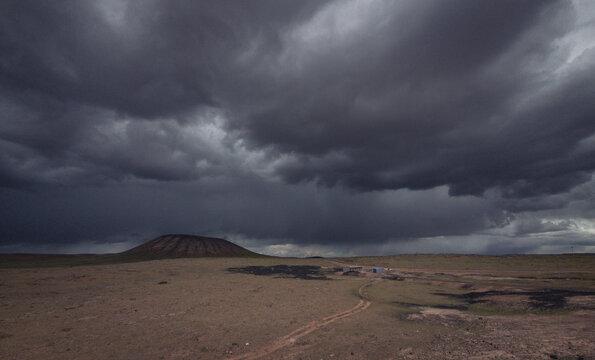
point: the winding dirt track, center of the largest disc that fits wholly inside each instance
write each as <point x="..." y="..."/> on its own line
<point x="293" y="336"/>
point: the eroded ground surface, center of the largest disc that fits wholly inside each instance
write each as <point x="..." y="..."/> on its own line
<point x="301" y="309"/>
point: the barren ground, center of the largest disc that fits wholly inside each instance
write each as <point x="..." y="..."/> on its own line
<point x="434" y="307"/>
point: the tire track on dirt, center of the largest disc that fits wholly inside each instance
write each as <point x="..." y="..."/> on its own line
<point x="293" y="336"/>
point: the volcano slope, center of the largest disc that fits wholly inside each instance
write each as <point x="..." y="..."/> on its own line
<point x="180" y="245"/>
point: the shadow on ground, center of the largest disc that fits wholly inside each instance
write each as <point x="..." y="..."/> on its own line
<point x="305" y="272"/>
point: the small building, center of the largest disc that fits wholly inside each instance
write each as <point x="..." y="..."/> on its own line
<point x="377" y="270"/>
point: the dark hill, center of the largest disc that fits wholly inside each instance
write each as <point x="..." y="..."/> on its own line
<point x="178" y="245"/>
<point x="163" y="247"/>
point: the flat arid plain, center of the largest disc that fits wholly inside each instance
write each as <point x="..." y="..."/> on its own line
<point x="419" y="307"/>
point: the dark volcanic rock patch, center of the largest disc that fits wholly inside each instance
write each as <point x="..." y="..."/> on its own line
<point x="305" y="272"/>
<point x="544" y="299"/>
<point x="177" y="245"/>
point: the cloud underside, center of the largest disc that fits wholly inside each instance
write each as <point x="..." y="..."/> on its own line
<point x="347" y="121"/>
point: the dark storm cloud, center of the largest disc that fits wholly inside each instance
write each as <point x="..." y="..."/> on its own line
<point x="384" y="95"/>
<point x="71" y="67"/>
<point x="112" y="102"/>
<point x="453" y="97"/>
<point x="140" y="57"/>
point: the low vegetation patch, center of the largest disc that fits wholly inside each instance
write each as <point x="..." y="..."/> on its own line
<point x="410" y="296"/>
<point x="569" y="262"/>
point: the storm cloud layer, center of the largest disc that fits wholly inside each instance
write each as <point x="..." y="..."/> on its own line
<point x="339" y="126"/>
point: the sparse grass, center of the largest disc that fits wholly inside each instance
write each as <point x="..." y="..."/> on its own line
<point x="204" y="308"/>
<point x="8" y="261"/>
<point x="562" y="284"/>
<point x="407" y="295"/>
<point x="202" y="300"/>
<point x="553" y="263"/>
<point x="490" y="309"/>
<point x="448" y="292"/>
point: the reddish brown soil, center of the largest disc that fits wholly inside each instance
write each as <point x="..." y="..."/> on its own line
<point x="199" y="308"/>
<point x="293" y="336"/>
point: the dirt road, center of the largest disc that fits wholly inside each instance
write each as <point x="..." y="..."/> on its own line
<point x="293" y="336"/>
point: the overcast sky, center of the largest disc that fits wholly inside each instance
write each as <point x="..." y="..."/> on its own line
<point x="299" y="127"/>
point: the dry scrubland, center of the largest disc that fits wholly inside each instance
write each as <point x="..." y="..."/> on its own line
<point x="435" y="306"/>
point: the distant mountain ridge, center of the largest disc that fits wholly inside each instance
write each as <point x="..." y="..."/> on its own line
<point x="182" y="245"/>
